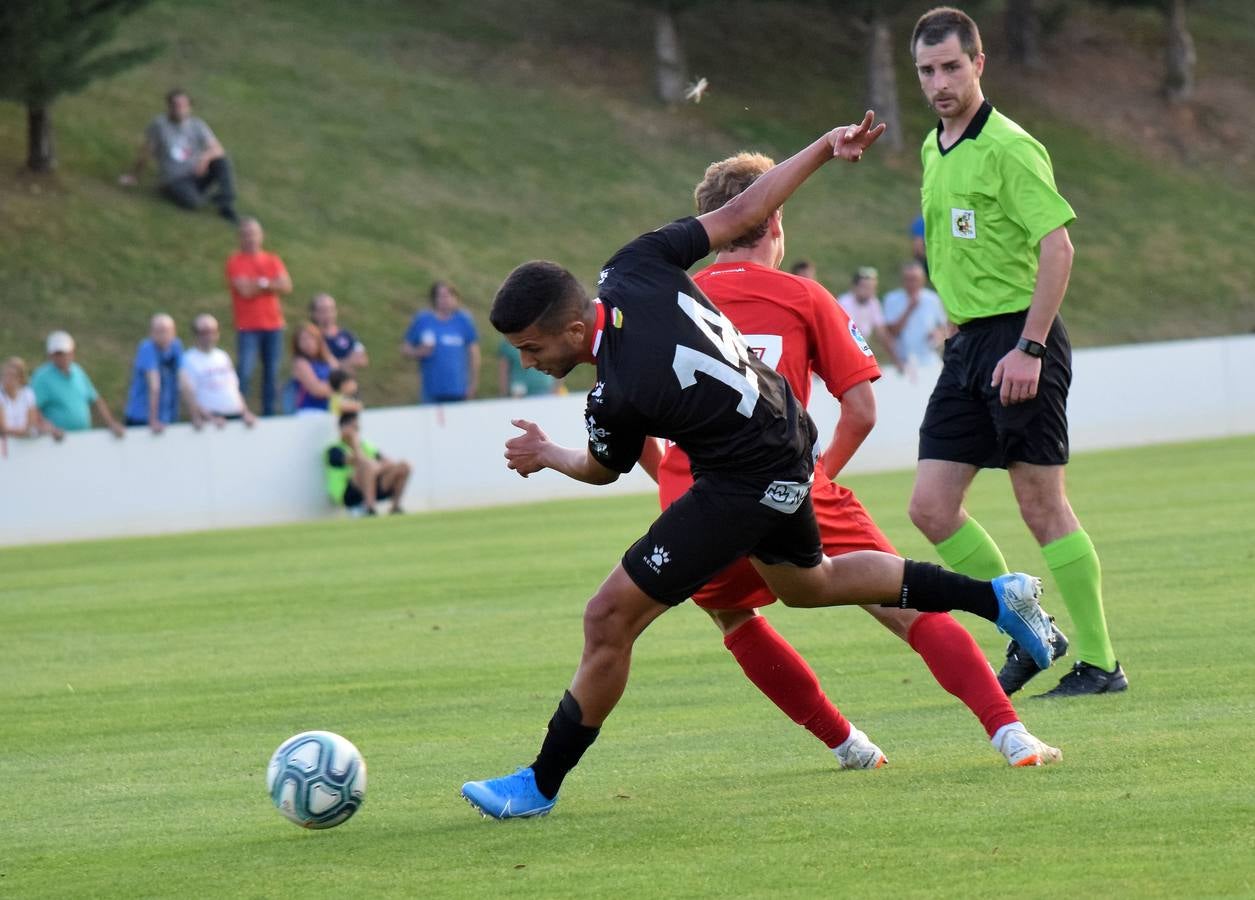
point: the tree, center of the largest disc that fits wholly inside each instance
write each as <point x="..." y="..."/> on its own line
<point x="882" y="80"/>
<point x="873" y="19"/>
<point x="670" y="69"/>
<point x="1023" y="31"/>
<point x="49" y="48"/>
<point x="1179" y="76"/>
<point x="1179" y="55"/>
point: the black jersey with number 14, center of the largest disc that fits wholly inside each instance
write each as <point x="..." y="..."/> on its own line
<point x="669" y="364"/>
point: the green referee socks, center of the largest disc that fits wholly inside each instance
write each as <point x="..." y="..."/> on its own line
<point x="971" y="551"/>
<point x="1074" y="564"/>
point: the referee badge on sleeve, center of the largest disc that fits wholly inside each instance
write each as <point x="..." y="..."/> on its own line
<point x="963" y="223"/>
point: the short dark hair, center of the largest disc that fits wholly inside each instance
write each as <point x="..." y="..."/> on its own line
<point x="347" y="418"/>
<point x="177" y="92"/>
<point x="337" y="378"/>
<point x="540" y="293"/>
<point x="801" y="264"/>
<point x="435" y="289"/>
<point x="939" y="23"/>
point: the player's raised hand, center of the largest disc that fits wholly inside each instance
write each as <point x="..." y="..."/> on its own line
<point x="849" y="141"/>
<point x="524" y="452"/>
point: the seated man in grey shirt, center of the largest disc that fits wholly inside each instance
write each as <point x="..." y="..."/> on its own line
<point x="189" y="159"/>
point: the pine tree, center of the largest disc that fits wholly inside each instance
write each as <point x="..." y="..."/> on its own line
<point x="52" y="47"/>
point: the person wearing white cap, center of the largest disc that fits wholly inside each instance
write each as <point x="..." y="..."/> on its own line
<point x="64" y="393"/>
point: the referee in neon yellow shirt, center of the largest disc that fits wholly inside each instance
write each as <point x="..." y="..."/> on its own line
<point x="996" y="231"/>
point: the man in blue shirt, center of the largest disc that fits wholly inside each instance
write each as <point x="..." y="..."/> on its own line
<point x="153" y="399"/>
<point x="444" y="341"/>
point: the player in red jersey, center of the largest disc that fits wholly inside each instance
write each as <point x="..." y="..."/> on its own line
<point x="795" y="326"/>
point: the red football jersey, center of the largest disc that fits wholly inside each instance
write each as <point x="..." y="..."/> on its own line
<point x="793" y="324"/>
<point x="796" y="327"/>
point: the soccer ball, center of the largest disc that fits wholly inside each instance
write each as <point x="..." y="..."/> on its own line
<point x="317" y="779"/>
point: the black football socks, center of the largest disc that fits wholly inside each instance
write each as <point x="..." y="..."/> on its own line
<point x="930" y="588"/>
<point x="563" y="746"/>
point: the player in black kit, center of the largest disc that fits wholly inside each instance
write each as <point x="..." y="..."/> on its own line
<point x="670" y="365"/>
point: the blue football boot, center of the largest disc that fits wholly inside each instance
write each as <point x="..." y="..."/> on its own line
<point x="1021" y="616"/>
<point x="508" y="797"/>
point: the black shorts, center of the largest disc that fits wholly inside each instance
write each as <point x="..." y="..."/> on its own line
<point x="967" y="423"/>
<point x="353" y="494"/>
<point x="716" y="522"/>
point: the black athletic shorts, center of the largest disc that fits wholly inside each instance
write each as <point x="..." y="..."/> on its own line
<point x="716" y="522"/>
<point x="966" y="422"/>
<point x="353" y="494"/>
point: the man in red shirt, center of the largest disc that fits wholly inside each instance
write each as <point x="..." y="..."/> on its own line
<point x="256" y="279"/>
<point x="794" y="325"/>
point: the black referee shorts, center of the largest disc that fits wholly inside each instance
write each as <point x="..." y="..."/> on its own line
<point x="716" y="522"/>
<point x="966" y="422"/>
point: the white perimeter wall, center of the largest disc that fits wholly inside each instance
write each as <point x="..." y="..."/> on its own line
<point x="93" y="485"/>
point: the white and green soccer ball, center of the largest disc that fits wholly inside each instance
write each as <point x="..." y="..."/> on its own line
<point x="317" y="779"/>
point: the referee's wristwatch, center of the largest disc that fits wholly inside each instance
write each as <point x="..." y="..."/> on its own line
<point x="1032" y="348"/>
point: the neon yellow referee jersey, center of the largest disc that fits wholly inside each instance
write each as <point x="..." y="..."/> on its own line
<point x="987" y="200"/>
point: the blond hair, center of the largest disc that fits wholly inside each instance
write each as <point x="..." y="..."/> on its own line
<point x="726" y="179"/>
<point x="18" y="365"/>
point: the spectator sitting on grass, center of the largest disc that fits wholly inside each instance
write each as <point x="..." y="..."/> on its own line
<point x="19" y="414"/>
<point x="211" y="387"/>
<point x="64" y="393"/>
<point x="349" y="352"/>
<point x="189" y="159"/>
<point x="358" y="475"/>
<point x="343" y="393"/>
<point x="153" y="399"/>
<point x="312" y="364"/>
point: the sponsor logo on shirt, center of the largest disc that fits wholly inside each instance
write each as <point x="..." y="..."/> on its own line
<point x="597" y="436"/>
<point x="859" y="339"/>
<point x="963" y="223"/>
<point x="595" y="393"/>
<point x="602" y="277"/>
<point x="656" y="560"/>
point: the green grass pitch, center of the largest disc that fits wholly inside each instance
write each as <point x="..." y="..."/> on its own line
<point x="144" y="684"/>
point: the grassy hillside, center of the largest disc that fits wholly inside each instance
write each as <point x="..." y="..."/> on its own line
<point x="387" y="143"/>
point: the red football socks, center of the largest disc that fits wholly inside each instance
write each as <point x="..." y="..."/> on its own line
<point x="779" y="671"/>
<point x="957" y="663"/>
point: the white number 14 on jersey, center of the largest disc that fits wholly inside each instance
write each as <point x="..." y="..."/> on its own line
<point x="732" y="371"/>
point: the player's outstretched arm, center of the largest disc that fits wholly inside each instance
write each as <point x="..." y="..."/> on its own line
<point x="769" y="192"/>
<point x="532" y="451"/>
